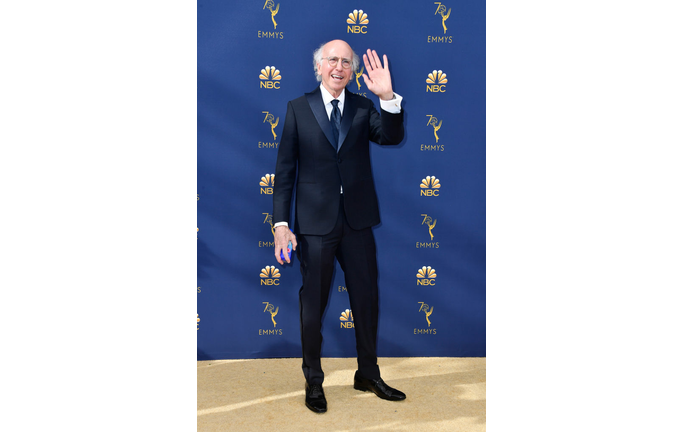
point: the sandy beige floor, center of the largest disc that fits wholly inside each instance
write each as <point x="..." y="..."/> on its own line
<point x="443" y="394"/>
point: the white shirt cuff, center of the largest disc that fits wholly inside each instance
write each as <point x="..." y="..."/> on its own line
<point x="392" y="106"/>
<point x="281" y="224"/>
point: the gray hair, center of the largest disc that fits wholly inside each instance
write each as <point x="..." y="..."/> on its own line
<point x="318" y="57"/>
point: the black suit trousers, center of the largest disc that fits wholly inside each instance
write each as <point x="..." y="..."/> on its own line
<point x="356" y="252"/>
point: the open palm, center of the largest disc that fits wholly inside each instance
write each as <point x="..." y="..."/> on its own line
<point x="377" y="77"/>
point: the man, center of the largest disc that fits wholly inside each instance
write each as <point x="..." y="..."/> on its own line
<point x="324" y="152"/>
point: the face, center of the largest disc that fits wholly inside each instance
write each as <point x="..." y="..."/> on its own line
<point x="335" y="78"/>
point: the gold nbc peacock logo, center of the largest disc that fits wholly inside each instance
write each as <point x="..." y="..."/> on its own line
<point x="430" y="182"/>
<point x="267" y="183"/>
<point x="437" y="81"/>
<point x="428" y="312"/>
<point x="270" y="4"/>
<point x="270" y="276"/>
<point x="357" y="17"/>
<point x="436" y="77"/>
<point x="270" y="272"/>
<point x="270" y="77"/>
<point x="429" y="186"/>
<point x="426" y="276"/>
<point x="267" y="180"/>
<point x="358" y="21"/>
<point x="346" y="319"/>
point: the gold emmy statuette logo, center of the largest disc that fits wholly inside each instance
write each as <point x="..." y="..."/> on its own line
<point x="267" y="182"/>
<point x="358" y="75"/>
<point x="425" y="308"/>
<point x="273" y="311"/>
<point x="268" y="243"/>
<point x="346" y="319"/>
<point x="358" y="20"/>
<point x="270" y="276"/>
<point x="436" y="81"/>
<point x="269" y="220"/>
<point x="272" y="121"/>
<point x="270" y="77"/>
<point x="428" y="220"/>
<point x="270" y="4"/>
<point x="430" y="224"/>
<point x="197" y="321"/>
<point x="426" y="276"/>
<point x="432" y="122"/>
<point x="429" y="186"/>
<point x="441" y="10"/>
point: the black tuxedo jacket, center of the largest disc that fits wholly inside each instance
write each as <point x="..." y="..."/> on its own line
<point x="307" y="150"/>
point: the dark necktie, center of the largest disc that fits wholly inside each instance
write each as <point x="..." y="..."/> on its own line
<point x="335" y="119"/>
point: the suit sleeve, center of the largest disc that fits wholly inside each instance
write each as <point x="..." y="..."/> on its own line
<point x="386" y="129"/>
<point x="285" y="168"/>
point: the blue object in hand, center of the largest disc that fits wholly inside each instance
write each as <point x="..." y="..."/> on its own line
<point x="289" y="252"/>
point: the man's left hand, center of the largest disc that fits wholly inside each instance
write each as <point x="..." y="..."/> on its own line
<point x="377" y="78"/>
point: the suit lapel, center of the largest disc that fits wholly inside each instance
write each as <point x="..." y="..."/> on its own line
<point x="347" y="117"/>
<point x="315" y="101"/>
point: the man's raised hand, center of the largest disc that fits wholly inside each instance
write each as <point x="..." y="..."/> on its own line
<point x="377" y="77"/>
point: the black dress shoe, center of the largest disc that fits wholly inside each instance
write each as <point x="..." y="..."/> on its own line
<point x="377" y="386"/>
<point x="315" y="398"/>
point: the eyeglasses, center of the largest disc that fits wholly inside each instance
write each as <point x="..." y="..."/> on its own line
<point x="332" y="61"/>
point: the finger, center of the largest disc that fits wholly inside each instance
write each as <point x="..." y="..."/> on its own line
<point x="375" y="58"/>
<point x="277" y="255"/>
<point x="386" y="62"/>
<point x="283" y="253"/>
<point x="371" y="59"/>
<point x="366" y="62"/>
<point x="286" y="252"/>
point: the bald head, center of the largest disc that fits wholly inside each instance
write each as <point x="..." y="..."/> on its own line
<point x="333" y="48"/>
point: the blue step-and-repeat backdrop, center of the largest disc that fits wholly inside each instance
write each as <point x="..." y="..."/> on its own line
<point x="253" y="57"/>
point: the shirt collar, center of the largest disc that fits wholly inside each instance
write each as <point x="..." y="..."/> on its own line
<point x="327" y="96"/>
